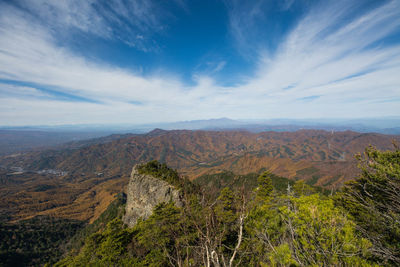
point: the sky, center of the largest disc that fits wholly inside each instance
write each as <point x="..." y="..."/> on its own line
<point x="135" y="62"/>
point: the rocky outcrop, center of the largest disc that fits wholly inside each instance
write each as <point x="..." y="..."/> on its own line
<point x="144" y="193"/>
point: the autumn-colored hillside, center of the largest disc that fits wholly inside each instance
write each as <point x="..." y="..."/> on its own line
<point x="79" y="182"/>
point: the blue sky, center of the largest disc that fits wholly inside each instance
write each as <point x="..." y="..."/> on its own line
<point x="133" y="62"/>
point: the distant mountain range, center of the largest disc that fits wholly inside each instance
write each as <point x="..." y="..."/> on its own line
<point x="18" y="139"/>
<point x="386" y="125"/>
<point x="79" y="179"/>
<point x="12" y="141"/>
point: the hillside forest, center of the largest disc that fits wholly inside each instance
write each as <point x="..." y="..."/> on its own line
<point x="273" y="224"/>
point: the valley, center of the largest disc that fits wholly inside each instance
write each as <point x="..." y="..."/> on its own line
<point x="79" y="180"/>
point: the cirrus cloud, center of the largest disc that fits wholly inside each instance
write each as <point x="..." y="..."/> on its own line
<point x="332" y="63"/>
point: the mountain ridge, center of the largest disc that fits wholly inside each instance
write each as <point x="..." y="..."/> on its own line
<point x="86" y="177"/>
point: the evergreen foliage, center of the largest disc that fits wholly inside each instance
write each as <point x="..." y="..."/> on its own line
<point x="171" y="176"/>
<point x="265" y="187"/>
<point x="213" y="183"/>
<point x="35" y="241"/>
<point x="160" y="170"/>
<point x="115" y="210"/>
<point x="105" y="248"/>
<point x="373" y="199"/>
<point x="299" y="227"/>
<point x="301" y="188"/>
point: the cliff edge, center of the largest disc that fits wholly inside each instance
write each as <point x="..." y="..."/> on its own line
<point x="144" y="192"/>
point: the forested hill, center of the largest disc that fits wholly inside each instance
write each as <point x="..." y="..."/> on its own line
<point x="86" y="176"/>
<point x="198" y="152"/>
<point x="266" y="227"/>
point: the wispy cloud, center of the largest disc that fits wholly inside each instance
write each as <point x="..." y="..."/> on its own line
<point x="219" y="66"/>
<point x="258" y="26"/>
<point x="8" y="90"/>
<point x="132" y="22"/>
<point x="243" y="19"/>
<point x="335" y="63"/>
<point x="309" y="98"/>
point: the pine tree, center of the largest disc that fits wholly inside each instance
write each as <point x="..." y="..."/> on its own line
<point x="265" y="187"/>
<point x="373" y="199"/>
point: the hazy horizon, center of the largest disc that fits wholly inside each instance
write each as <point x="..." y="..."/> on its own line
<point x="389" y="125"/>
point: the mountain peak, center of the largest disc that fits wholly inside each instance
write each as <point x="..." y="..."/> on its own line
<point x="156" y="132"/>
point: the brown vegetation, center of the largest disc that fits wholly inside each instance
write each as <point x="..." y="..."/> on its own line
<point x="96" y="172"/>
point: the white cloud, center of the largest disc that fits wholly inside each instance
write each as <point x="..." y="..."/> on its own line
<point x="133" y="22"/>
<point x="7" y="90"/>
<point x="352" y="76"/>
<point x="219" y="66"/>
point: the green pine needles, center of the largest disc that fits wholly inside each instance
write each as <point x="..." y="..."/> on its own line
<point x="300" y="227"/>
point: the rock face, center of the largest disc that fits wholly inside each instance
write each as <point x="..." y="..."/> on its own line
<point x="144" y="193"/>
